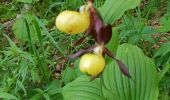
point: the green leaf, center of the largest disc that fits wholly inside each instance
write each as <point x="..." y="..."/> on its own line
<point x="19" y="28"/>
<point x="54" y="88"/>
<point x="76" y="69"/>
<point x="21" y="85"/>
<point x="43" y="60"/>
<point x="23" y="71"/>
<point x="146" y="34"/>
<point x="45" y="30"/>
<point x="5" y="95"/>
<point x="68" y="75"/>
<point x="1" y="26"/>
<point x="164" y="24"/>
<point x="163" y="72"/>
<point x="11" y="43"/>
<point x="148" y="30"/>
<point x="34" y="75"/>
<point x="148" y="38"/>
<point x="83" y="89"/>
<point x="36" y="97"/>
<point x="163" y="50"/>
<point x="114" y="9"/>
<point x="46" y="96"/>
<point x="144" y="82"/>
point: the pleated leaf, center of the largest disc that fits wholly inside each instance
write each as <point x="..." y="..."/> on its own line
<point x="83" y="88"/>
<point x="114" y="9"/>
<point x="144" y="82"/>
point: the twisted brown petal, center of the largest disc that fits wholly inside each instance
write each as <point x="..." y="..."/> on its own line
<point x="81" y="52"/>
<point x="122" y="66"/>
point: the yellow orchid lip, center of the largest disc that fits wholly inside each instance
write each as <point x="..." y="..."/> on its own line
<point x="92" y="64"/>
<point x="73" y="22"/>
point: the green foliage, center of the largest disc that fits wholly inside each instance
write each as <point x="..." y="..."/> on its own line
<point x="74" y="4"/>
<point x="162" y="55"/>
<point x="69" y="74"/>
<point x="144" y="83"/>
<point x="164" y="83"/>
<point x="19" y="28"/>
<point x="22" y="66"/>
<point x="165" y="20"/>
<point x="41" y="59"/>
<point x="116" y="9"/>
<point x="133" y="30"/>
<point x="165" y="24"/>
<point x="32" y="51"/>
<point x="52" y="91"/>
<point x="83" y="89"/>
<point x="7" y="12"/>
<point x="7" y="96"/>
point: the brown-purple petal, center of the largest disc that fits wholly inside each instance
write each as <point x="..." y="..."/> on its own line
<point x="81" y="52"/>
<point x="98" y="23"/>
<point x="105" y="34"/>
<point x="110" y="54"/>
<point x="122" y="66"/>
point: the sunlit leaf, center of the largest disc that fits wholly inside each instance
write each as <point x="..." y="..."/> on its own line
<point x="144" y="82"/>
<point x="19" y="28"/>
<point x="114" y="9"/>
<point x="83" y="89"/>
